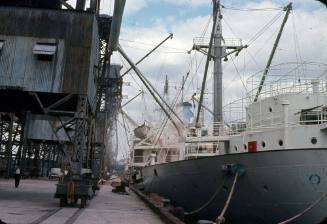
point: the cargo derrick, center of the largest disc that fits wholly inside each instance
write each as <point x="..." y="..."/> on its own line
<point x="51" y="61"/>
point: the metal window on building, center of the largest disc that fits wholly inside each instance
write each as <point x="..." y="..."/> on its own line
<point x="44" y="51"/>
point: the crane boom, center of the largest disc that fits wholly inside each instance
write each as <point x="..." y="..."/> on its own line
<point x="288" y="9"/>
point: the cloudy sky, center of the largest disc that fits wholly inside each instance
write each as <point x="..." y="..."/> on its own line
<point x="147" y="22"/>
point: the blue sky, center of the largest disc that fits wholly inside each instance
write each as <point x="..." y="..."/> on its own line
<point x="155" y="9"/>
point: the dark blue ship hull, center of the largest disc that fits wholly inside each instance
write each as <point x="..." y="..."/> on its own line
<point x="275" y="185"/>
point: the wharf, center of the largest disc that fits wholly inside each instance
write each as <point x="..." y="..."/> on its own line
<point x="33" y="203"/>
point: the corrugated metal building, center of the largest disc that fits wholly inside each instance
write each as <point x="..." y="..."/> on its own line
<point x="46" y="51"/>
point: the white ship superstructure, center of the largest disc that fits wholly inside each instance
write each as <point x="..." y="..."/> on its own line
<point x="292" y="117"/>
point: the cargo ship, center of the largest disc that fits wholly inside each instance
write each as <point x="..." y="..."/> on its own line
<point x="266" y="165"/>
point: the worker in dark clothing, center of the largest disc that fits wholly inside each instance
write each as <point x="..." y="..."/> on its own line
<point x="17" y="177"/>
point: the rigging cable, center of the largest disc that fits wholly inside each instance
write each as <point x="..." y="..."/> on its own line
<point x="296" y="41"/>
<point x="263" y="47"/>
<point x="238" y="73"/>
<point x="205" y="29"/>
<point x="162" y="127"/>
<point x="157" y="97"/>
<point x="153" y="45"/>
<point x="122" y="125"/>
<point x="157" y="76"/>
<point x="264" y="28"/>
<point x="229" y="26"/>
<point x="256" y="53"/>
<point x="197" y="67"/>
<point x="158" y="51"/>
<point x="125" y="128"/>
<point x="151" y="89"/>
<point x="251" y="9"/>
<point x="129" y="73"/>
<point x="253" y="58"/>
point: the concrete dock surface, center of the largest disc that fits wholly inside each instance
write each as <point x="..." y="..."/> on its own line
<point x="33" y="203"/>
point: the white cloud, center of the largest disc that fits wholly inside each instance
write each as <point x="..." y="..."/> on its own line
<point x="107" y="6"/>
<point x="135" y="6"/>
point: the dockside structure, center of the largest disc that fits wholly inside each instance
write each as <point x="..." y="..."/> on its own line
<point x="53" y="69"/>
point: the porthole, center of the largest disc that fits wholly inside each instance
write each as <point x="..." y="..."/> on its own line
<point x="263" y="143"/>
<point x="280" y="142"/>
<point x="314" y="140"/>
<point x="235" y="147"/>
<point x="245" y="147"/>
<point x="270" y="109"/>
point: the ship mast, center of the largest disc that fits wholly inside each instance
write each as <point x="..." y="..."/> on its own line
<point x="216" y="51"/>
<point x="202" y="48"/>
<point x="218" y="72"/>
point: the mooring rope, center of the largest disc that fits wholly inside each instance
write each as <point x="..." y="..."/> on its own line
<point x="305" y="210"/>
<point x="208" y="202"/>
<point x="221" y="218"/>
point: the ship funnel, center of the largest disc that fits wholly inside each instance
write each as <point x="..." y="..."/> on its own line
<point x="315" y="85"/>
<point x="116" y="24"/>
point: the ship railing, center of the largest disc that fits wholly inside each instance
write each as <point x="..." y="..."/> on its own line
<point x="196" y="150"/>
<point x="201" y="41"/>
<point x="235" y="111"/>
<point x="141" y="160"/>
<point x="285" y="78"/>
<point x="228" y="42"/>
<point x="217" y="128"/>
<point x="291" y="77"/>
<point x="229" y="128"/>
<point x="138" y="159"/>
<point x="262" y="121"/>
<point x="299" y="116"/>
<point x="233" y="42"/>
<point x="306" y="86"/>
<point x="138" y="164"/>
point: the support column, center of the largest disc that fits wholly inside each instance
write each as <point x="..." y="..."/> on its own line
<point x="24" y="141"/>
<point x="80" y="135"/>
<point x="42" y="161"/>
<point x="36" y="164"/>
<point x="49" y="158"/>
<point x="9" y="145"/>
